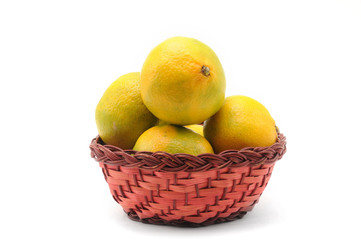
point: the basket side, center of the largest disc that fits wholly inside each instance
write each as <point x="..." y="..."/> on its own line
<point x="187" y="198"/>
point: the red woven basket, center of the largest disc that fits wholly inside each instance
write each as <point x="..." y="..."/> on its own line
<point x="186" y="190"/>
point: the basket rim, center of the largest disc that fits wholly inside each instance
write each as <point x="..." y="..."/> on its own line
<point x="163" y="161"/>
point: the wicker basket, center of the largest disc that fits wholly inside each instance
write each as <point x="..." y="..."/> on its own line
<point x="186" y="190"/>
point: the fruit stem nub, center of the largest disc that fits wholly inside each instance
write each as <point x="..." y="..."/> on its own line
<point x="206" y="71"/>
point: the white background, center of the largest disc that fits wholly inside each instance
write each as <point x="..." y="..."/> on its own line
<point x="301" y="59"/>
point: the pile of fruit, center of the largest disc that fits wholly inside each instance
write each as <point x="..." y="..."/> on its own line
<point x="181" y="85"/>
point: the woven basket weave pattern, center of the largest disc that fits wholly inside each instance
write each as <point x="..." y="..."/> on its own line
<point x="181" y="189"/>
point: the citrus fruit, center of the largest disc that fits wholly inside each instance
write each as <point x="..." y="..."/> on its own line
<point x="172" y="139"/>
<point x="196" y="128"/>
<point x="241" y="122"/>
<point x="121" y="117"/>
<point x="182" y="81"/>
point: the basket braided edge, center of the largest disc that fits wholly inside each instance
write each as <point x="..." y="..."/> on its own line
<point x="163" y="161"/>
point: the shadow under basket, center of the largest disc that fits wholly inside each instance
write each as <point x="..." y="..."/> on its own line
<point x="186" y="190"/>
